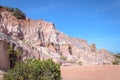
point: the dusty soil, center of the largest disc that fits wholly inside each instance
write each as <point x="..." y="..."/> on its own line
<point x="101" y="72"/>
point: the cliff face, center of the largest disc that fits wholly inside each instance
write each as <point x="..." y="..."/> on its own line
<point x="41" y="40"/>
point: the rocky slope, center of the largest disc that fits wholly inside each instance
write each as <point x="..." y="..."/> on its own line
<point x="41" y="40"/>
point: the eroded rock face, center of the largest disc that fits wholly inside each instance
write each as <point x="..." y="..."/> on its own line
<point x="41" y="40"/>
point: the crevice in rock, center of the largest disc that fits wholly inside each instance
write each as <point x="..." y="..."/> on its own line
<point x="20" y="33"/>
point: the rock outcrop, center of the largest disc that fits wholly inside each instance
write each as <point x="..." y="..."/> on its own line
<point x="41" y="40"/>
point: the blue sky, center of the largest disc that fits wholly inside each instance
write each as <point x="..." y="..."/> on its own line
<point x="97" y="21"/>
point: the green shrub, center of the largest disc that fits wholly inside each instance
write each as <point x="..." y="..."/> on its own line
<point x="79" y="62"/>
<point x="16" y="12"/>
<point x="116" y="62"/>
<point x="34" y="70"/>
<point x="117" y="59"/>
<point x="117" y="55"/>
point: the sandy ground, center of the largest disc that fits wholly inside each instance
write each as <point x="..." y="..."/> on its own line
<point x="101" y="72"/>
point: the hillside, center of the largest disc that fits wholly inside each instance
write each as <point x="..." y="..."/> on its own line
<point x="41" y="40"/>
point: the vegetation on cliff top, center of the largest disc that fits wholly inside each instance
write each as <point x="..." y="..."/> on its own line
<point x="15" y="12"/>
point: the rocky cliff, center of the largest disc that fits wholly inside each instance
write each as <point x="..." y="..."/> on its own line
<point x="41" y="40"/>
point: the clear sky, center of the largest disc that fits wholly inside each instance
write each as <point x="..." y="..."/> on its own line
<point x="97" y="21"/>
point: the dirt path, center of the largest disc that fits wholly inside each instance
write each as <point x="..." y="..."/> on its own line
<point x="111" y="72"/>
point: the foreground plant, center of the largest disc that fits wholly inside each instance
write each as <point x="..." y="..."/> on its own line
<point x="34" y="70"/>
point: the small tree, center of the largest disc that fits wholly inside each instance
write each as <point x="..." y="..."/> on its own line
<point x="14" y="55"/>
